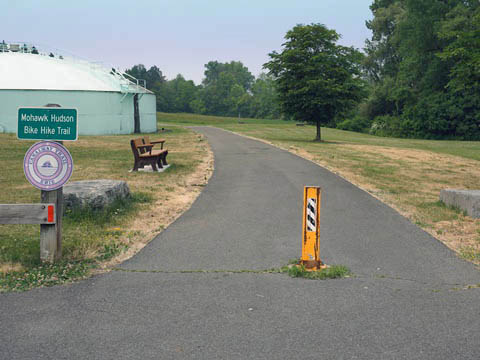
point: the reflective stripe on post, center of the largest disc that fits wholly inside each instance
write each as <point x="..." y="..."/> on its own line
<point x="51" y="214"/>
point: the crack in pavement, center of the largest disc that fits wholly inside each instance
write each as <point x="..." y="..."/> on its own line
<point x="200" y="271"/>
<point x="455" y="287"/>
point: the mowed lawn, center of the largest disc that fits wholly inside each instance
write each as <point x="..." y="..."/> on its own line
<point x="407" y="174"/>
<point x="91" y="239"/>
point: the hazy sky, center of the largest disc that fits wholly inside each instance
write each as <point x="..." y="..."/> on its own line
<point x="178" y="36"/>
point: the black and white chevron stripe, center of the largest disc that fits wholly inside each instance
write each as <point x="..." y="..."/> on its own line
<point x="311" y="214"/>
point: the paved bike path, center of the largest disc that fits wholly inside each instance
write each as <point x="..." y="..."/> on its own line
<point x="407" y="299"/>
<point x="249" y="217"/>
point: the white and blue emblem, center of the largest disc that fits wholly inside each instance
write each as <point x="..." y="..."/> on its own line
<point x="48" y="165"/>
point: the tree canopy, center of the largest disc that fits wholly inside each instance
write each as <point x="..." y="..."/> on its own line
<point x="152" y="76"/>
<point x="317" y="79"/>
<point x="419" y="76"/>
<point x="228" y="89"/>
<point x="423" y="66"/>
<point x="240" y="73"/>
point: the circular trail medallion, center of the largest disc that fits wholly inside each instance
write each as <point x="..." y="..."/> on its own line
<point x="48" y="165"/>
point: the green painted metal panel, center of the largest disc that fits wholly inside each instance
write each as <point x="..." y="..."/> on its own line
<point x="47" y="124"/>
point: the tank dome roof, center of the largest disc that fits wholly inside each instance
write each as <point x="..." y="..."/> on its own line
<point x="25" y="71"/>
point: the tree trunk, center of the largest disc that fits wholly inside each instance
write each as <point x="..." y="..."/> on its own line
<point x="319" y="132"/>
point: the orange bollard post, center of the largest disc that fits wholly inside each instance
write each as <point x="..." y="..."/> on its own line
<point x="312" y="197"/>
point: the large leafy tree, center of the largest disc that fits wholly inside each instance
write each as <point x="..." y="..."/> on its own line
<point x="422" y="62"/>
<point x="226" y="89"/>
<point x="240" y="73"/>
<point x="138" y="71"/>
<point x="152" y="76"/>
<point x="265" y="102"/>
<point x="382" y="55"/>
<point x="316" y="78"/>
<point x="462" y="31"/>
<point x="176" y="95"/>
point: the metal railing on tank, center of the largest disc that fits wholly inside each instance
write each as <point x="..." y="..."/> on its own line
<point x="128" y="83"/>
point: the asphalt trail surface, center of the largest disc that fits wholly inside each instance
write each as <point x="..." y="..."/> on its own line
<point x="409" y="298"/>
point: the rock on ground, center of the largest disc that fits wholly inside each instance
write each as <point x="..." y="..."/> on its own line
<point x="95" y="194"/>
<point x="467" y="200"/>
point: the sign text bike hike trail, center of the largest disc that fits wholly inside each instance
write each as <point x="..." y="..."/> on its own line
<point x="47" y="123"/>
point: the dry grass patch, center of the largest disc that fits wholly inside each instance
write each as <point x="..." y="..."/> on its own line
<point x="407" y="179"/>
<point x="110" y="237"/>
<point x="9" y="268"/>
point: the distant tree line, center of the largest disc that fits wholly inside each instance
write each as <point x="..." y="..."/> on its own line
<point x="419" y="76"/>
<point x="228" y="89"/>
<point x="423" y="69"/>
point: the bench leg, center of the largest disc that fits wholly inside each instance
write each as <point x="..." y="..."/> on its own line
<point x="135" y="166"/>
<point x="164" y="158"/>
<point x="159" y="162"/>
<point x="154" y="166"/>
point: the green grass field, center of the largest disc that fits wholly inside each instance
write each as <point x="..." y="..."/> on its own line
<point x="91" y="238"/>
<point x="407" y="174"/>
<point x="287" y="131"/>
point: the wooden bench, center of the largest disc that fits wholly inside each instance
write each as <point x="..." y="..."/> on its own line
<point x="144" y="154"/>
<point x="162" y="152"/>
<point x="146" y="141"/>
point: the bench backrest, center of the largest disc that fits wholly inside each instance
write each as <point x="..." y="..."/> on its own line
<point x="134" y="143"/>
<point x="146" y="140"/>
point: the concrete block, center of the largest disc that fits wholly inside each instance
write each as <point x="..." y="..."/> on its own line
<point x="467" y="200"/>
<point x="95" y="194"/>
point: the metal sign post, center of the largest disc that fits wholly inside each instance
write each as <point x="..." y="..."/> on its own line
<point x="312" y="197"/>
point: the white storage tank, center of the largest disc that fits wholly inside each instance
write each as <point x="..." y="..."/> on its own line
<point x="108" y="102"/>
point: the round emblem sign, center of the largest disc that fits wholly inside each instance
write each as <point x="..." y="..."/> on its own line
<point x="48" y="165"/>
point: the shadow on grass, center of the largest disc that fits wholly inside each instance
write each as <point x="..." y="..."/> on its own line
<point x="108" y="214"/>
<point x="306" y="141"/>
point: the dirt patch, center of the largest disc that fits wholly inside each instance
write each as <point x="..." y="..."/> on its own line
<point x="10" y="267"/>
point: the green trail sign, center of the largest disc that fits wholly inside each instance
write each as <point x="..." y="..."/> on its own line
<point x="47" y="123"/>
